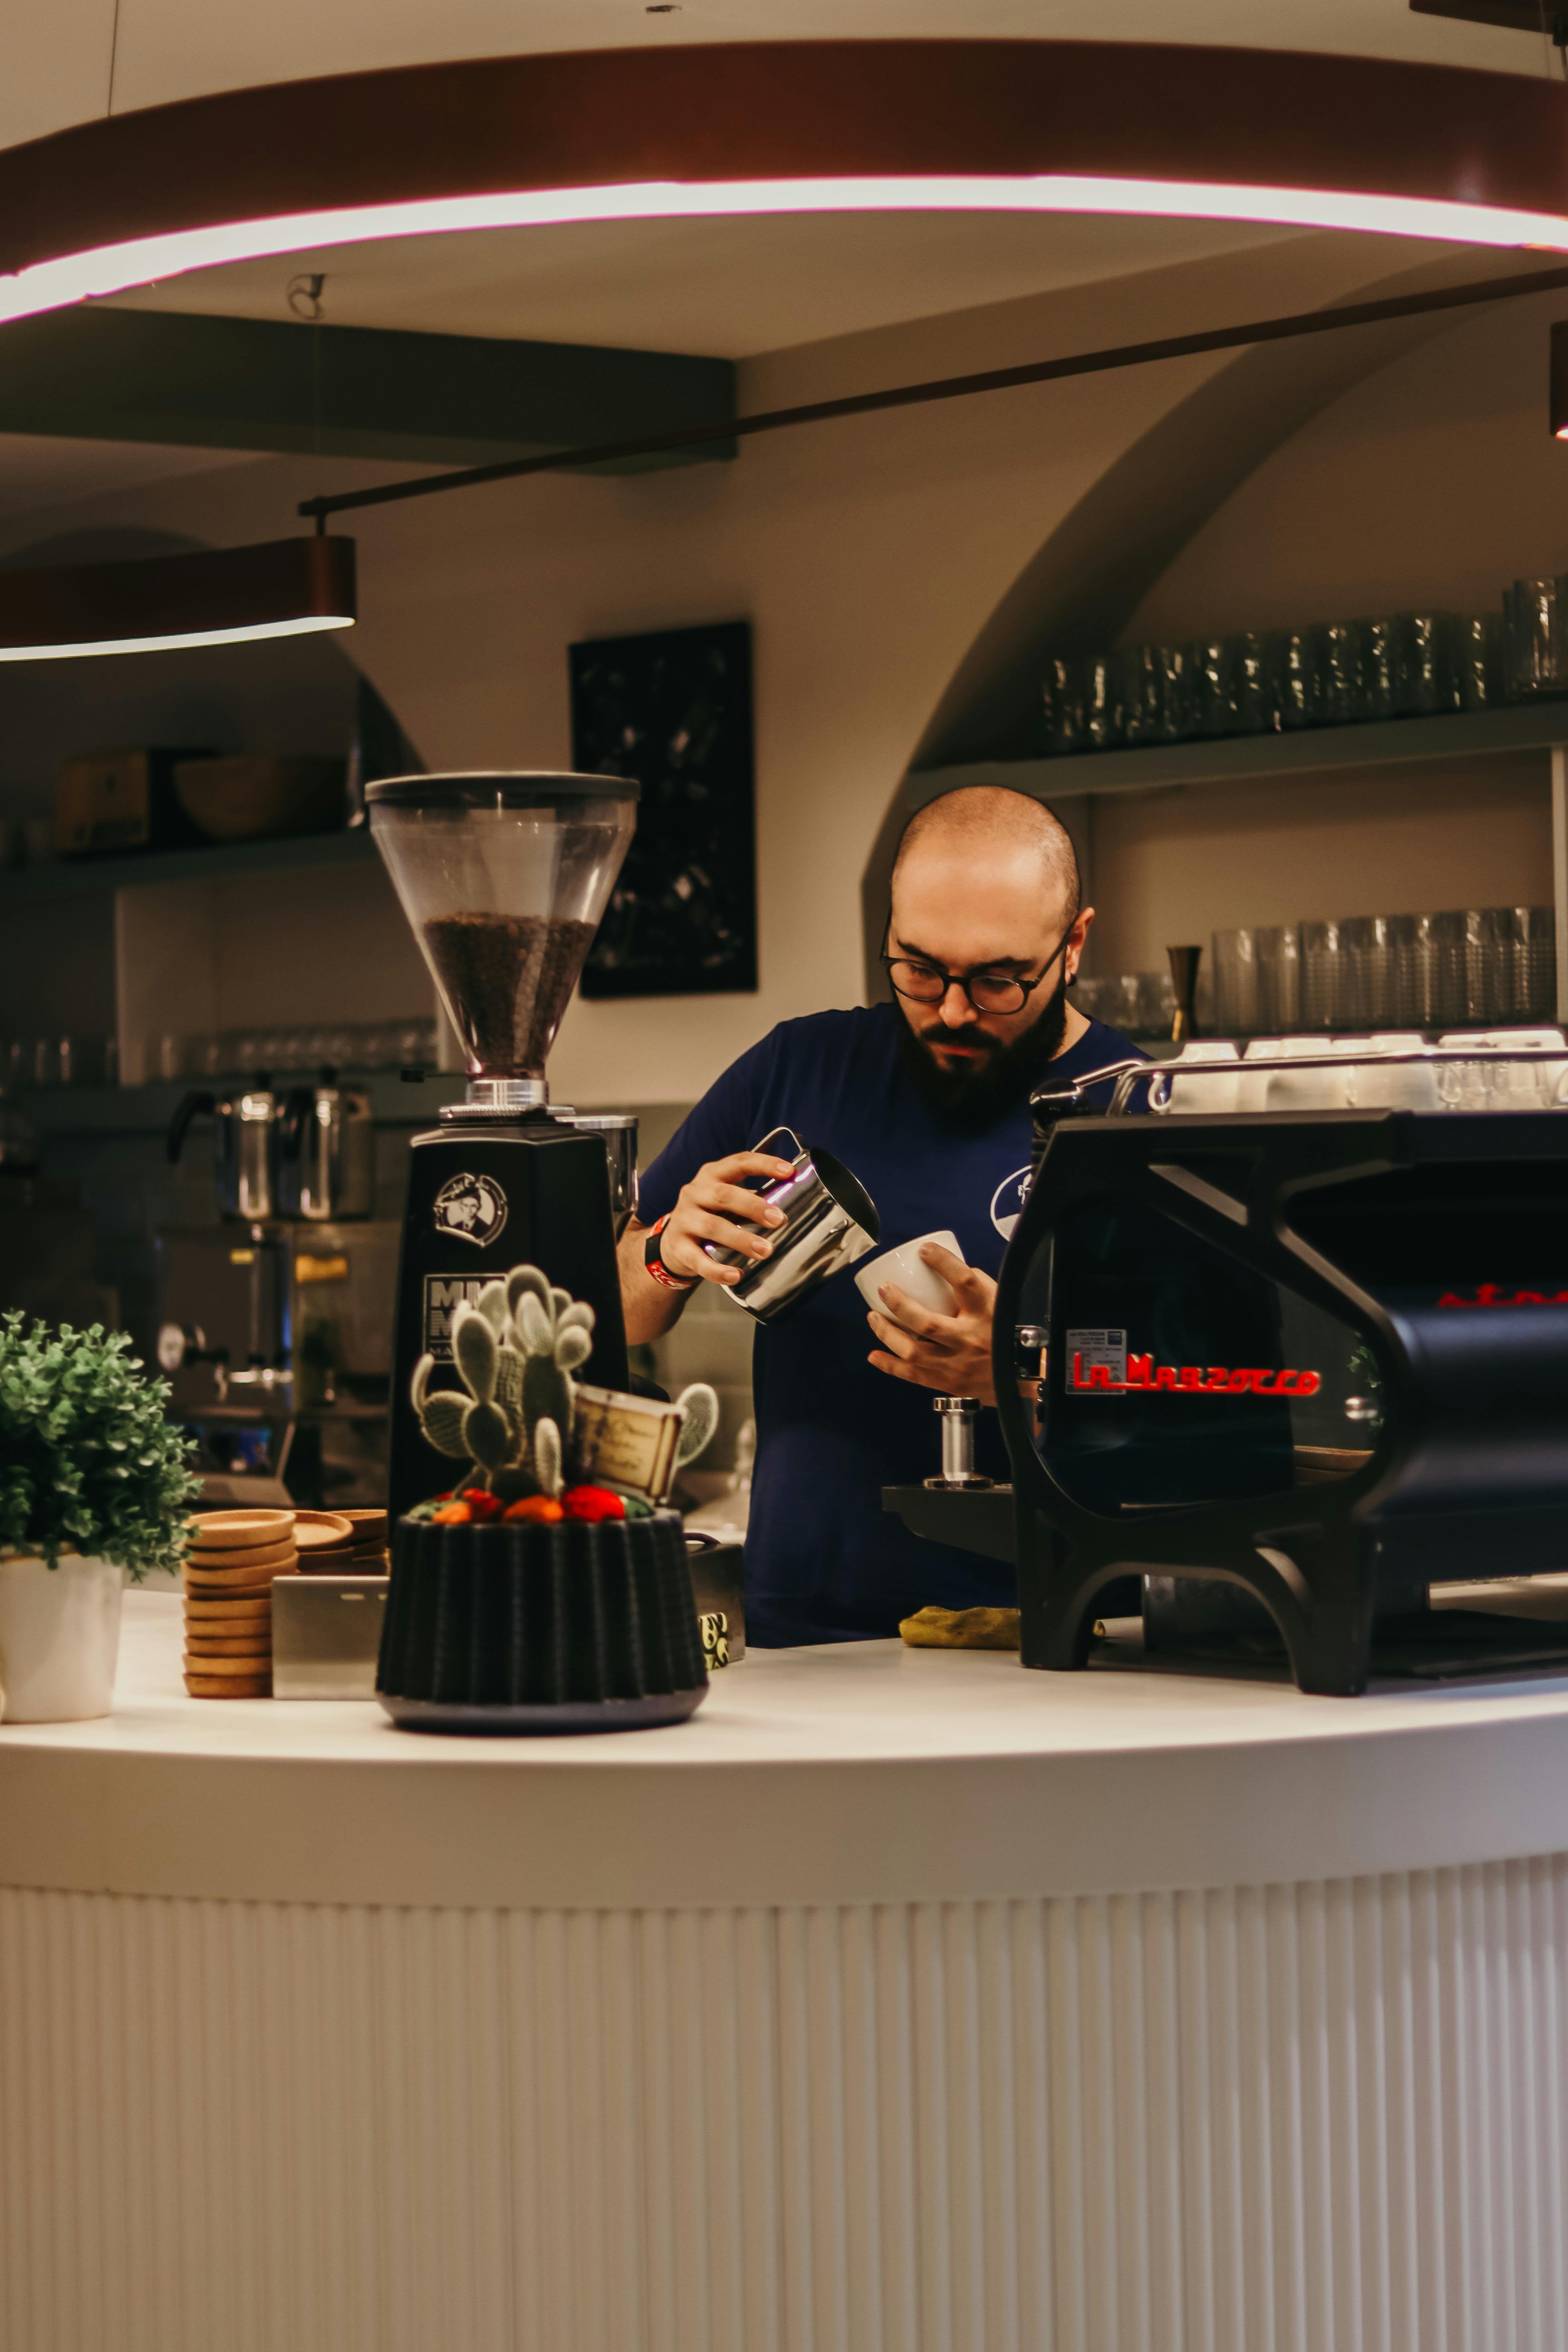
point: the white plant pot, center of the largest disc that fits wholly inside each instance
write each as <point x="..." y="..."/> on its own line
<point x="59" y="1639"/>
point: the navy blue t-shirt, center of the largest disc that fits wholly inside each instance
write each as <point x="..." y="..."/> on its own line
<point x="824" y="1561"/>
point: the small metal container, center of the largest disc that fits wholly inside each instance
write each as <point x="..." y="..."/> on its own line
<point x="830" y="1220"/>
<point x="718" y="1587"/>
<point x="244" y="1157"/>
<point x="327" y="1152"/>
<point x="326" y="1635"/>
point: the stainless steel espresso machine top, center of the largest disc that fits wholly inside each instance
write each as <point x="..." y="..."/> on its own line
<point x="503" y="879"/>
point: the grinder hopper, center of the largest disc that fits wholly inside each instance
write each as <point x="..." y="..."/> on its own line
<point x="503" y="879"/>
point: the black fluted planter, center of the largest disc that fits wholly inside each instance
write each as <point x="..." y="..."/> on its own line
<point x="582" y="1626"/>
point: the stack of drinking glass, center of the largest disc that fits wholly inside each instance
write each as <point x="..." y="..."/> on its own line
<point x="1332" y="674"/>
<point x="1479" y="967"/>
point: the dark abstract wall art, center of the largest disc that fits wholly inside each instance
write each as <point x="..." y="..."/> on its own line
<point x="673" y="709"/>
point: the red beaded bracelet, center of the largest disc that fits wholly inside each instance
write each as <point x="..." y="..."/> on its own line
<point x="653" y="1258"/>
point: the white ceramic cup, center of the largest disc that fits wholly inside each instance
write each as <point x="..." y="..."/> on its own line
<point x="905" y="1266"/>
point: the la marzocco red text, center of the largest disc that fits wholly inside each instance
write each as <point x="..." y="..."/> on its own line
<point x="1186" y="1380"/>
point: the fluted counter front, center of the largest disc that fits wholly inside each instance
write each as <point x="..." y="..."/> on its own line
<point x="901" y="1999"/>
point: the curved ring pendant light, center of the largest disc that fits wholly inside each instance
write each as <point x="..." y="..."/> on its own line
<point x="1162" y="129"/>
<point x="1293" y="138"/>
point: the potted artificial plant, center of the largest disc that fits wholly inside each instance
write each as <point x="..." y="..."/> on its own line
<point x="532" y="1597"/>
<point x="93" y="1481"/>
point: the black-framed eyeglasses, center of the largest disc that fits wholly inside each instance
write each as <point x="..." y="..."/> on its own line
<point x="988" y="992"/>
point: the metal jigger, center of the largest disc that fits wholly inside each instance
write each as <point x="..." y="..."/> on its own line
<point x="1184" y="962"/>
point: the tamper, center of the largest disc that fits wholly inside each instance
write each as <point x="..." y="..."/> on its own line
<point x="958" y="1442"/>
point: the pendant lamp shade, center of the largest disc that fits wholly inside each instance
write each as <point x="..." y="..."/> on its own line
<point x="1163" y="129"/>
<point x="1560" y="379"/>
<point x="284" y="588"/>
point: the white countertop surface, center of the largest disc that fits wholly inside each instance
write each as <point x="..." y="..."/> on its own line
<point x="861" y="1772"/>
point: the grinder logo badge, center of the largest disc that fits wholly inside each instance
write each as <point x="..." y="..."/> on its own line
<point x="471" y="1208"/>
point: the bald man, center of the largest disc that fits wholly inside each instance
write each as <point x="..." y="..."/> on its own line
<point x="926" y="1100"/>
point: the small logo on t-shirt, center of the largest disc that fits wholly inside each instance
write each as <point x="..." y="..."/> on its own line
<point x="1007" y="1200"/>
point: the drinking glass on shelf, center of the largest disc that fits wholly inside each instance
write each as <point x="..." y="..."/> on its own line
<point x="83" y="1060"/>
<point x="1066" y="719"/>
<point x="1178" y="693"/>
<point x="1276" y="956"/>
<point x="1462" y="977"/>
<point x="1367" y="994"/>
<point x="1423" y="665"/>
<point x="1088" y="997"/>
<point x="1234" y="984"/>
<point x="1379" y="665"/>
<point x="1475" y="650"/>
<point x="1154" y="1004"/>
<point x="1535" y="652"/>
<point x="1103" y="702"/>
<point x="417" y="1044"/>
<point x="1292" y="689"/>
<point x="1341" y="671"/>
<point x="1251" y="711"/>
<point x="1521" y="963"/>
<point x="1215" y="698"/>
<point x="1141" y="695"/>
<point x="1322" y="967"/>
<point x="1118" y="1002"/>
<point x="1417" y="996"/>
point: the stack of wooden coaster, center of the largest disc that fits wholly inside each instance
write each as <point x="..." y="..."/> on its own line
<point x="325" y="1540"/>
<point x="229" y="1570"/>
<point x="370" y="1556"/>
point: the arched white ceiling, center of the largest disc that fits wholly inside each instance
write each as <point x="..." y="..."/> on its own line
<point x="69" y="60"/>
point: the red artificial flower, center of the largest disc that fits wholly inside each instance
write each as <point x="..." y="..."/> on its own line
<point x="482" y="1505"/>
<point x="591" y="1503"/>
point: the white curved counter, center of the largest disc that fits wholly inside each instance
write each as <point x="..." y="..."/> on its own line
<point x="900" y="1998"/>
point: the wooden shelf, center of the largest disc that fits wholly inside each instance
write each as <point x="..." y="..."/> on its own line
<point x="89" y="877"/>
<point x="1243" y="759"/>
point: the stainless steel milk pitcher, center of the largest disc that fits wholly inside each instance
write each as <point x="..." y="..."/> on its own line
<point x="830" y="1220"/>
<point x="245" y="1156"/>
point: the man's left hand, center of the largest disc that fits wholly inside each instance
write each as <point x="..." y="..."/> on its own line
<point x="949" y="1353"/>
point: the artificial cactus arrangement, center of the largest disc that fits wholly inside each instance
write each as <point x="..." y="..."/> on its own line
<point x="516" y="1351"/>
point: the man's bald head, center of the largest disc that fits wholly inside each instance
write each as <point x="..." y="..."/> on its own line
<point x="985" y="825"/>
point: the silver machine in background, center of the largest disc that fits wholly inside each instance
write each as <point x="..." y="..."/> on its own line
<point x="274" y="1325"/>
<point x="277" y="1341"/>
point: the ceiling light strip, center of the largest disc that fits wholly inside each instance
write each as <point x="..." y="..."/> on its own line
<point x="910" y="395"/>
<point x="142" y="261"/>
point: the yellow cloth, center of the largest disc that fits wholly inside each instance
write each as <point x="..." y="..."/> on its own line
<point x="962" y="1629"/>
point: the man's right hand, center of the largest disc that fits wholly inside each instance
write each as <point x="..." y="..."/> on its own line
<point x="707" y="1210"/>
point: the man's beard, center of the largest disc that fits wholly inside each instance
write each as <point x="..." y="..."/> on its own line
<point x="976" y="1094"/>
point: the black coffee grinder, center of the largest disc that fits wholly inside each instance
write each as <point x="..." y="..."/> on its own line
<point x="504" y="878"/>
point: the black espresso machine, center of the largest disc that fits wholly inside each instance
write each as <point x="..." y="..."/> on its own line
<point x="503" y="879"/>
<point x="1283" y="1335"/>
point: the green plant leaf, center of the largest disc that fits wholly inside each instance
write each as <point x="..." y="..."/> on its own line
<point x="88" y="1461"/>
<point x="522" y="1281"/>
<point x="475" y="1350"/>
<point x="536" y="1325"/>
<point x="487" y="1436"/>
<point x="700" y="1406"/>
<point x="441" y="1418"/>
